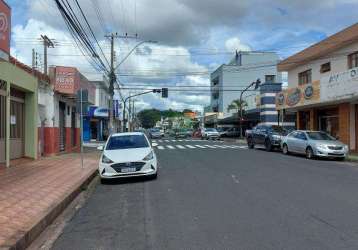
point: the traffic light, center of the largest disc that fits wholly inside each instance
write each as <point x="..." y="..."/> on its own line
<point x="156" y="90"/>
<point x="165" y="92"/>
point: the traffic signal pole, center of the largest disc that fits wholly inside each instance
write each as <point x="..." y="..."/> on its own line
<point x="164" y="92"/>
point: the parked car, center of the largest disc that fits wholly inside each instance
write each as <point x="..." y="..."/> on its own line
<point x="189" y="132"/>
<point x="209" y="133"/>
<point x="314" y="144"/>
<point x="269" y="136"/>
<point x="222" y="131"/>
<point x="155" y="133"/>
<point x="232" y="132"/>
<point x="126" y="155"/>
<point x="180" y="133"/>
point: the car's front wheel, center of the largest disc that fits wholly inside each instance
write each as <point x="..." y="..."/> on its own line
<point x="285" y="149"/>
<point x="250" y="143"/>
<point x="309" y="153"/>
<point x="268" y="145"/>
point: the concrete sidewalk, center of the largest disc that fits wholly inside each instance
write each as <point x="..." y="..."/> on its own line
<point x="33" y="194"/>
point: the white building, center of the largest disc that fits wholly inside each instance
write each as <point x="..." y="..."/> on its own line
<point x="244" y="68"/>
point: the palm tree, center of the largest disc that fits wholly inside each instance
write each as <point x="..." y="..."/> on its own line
<point x="239" y="106"/>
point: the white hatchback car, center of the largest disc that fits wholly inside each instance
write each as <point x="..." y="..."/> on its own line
<point x="127" y="155"/>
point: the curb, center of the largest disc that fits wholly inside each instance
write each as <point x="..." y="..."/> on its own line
<point x="25" y="238"/>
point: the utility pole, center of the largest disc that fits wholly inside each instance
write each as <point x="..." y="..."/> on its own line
<point x="47" y="44"/>
<point x="33" y="59"/>
<point x="112" y="77"/>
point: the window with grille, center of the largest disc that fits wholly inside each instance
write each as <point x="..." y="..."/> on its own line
<point x="305" y="77"/>
<point x="353" y="60"/>
<point x="326" y="67"/>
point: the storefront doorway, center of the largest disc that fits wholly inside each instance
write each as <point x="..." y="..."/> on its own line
<point x="328" y="121"/>
<point x="62" y="122"/>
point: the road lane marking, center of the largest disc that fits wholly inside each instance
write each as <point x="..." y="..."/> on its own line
<point x="180" y="147"/>
<point x="160" y="147"/>
<point x="200" y="146"/>
<point x="170" y="147"/>
<point x="234" y="178"/>
<point x="190" y="146"/>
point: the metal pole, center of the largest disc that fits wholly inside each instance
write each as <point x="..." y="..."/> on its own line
<point x="111" y="87"/>
<point x="241" y="114"/>
<point x="81" y="127"/>
<point x="124" y="116"/>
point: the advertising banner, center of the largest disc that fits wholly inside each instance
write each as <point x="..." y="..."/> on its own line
<point x="5" y="27"/>
<point x="66" y="80"/>
<point x="340" y="86"/>
<point x="299" y="96"/>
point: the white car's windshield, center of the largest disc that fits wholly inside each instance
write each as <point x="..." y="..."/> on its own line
<point x="320" y="136"/>
<point x="210" y="130"/>
<point x="127" y="142"/>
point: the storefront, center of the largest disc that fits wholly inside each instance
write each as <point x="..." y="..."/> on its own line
<point x="95" y="124"/>
<point x="328" y="105"/>
<point x="18" y="114"/>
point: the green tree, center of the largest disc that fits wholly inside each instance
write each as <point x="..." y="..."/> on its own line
<point x="149" y="117"/>
<point x="237" y="105"/>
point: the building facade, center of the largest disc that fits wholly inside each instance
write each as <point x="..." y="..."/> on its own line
<point x="323" y="86"/>
<point x="245" y="68"/>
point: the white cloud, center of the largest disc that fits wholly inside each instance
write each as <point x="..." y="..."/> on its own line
<point x="234" y="44"/>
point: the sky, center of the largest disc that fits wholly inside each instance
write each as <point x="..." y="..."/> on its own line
<point x="194" y="38"/>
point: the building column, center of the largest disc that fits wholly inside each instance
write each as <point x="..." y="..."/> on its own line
<point x="7" y="119"/>
<point x="343" y="116"/>
<point x="313" y="120"/>
<point x="352" y="127"/>
<point x="298" y="119"/>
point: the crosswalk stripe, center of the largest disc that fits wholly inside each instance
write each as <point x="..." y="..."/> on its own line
<point x="173" y="140"/>
<point x="160" y="140"/>
<point x="170" y="147"/>
<point x="180" y="147"/>
<point x="166" y="140"/>
<point x="220" y="146"/>
<point x="180" y="140"/>
<point x="190" y="146"/>
<point x="200" y="146"/>
<point x="160" y="147"/>
<point x="154" y="140"/>
<point x="209" y="146"/>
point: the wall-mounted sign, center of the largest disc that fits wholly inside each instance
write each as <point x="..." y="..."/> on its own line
<point x="67" y="80"/>
<point x="5" y="27"/>
<point x="280" y="98"/>
<point x="293" y="96"/>
<point x="308" y="92"/>
<point x="298" y="96"/>
<point x="13" y="120"/>
<point x="340" y="86"/>
<point x="98" y="112"/>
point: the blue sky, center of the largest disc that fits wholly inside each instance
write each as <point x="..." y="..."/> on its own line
<point x="194" y="36"/>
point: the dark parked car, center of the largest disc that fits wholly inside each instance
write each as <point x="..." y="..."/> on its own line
<point x="232" y="132"/>
<point x="268" y="135"/>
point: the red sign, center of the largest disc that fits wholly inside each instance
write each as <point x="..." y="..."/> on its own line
<point x="5" y="27"/>
<point x="67" y="80"/>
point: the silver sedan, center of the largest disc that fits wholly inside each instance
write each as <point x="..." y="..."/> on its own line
<point x="314" y="144"/>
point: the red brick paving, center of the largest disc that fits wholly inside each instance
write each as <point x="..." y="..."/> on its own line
<point x="28" y="191"/>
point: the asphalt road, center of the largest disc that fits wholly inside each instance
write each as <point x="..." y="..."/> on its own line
<point x="223" y="198"/>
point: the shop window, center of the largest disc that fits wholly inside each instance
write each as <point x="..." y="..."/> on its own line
<point x="270" y="78"/>
<point x="326" y="67"/>
<point x="353" y="60"/>
<point x="305" y="77"/>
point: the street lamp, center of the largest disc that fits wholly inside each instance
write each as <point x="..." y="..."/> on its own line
<point x="257" y="85"/>
<point x="132" y="50"/>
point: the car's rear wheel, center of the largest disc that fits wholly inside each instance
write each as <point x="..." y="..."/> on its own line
<point x="268" y="145"/>
<point x="285" y="149"/>
<point x="250" y="143"/>
<point x="309" y="153"/>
